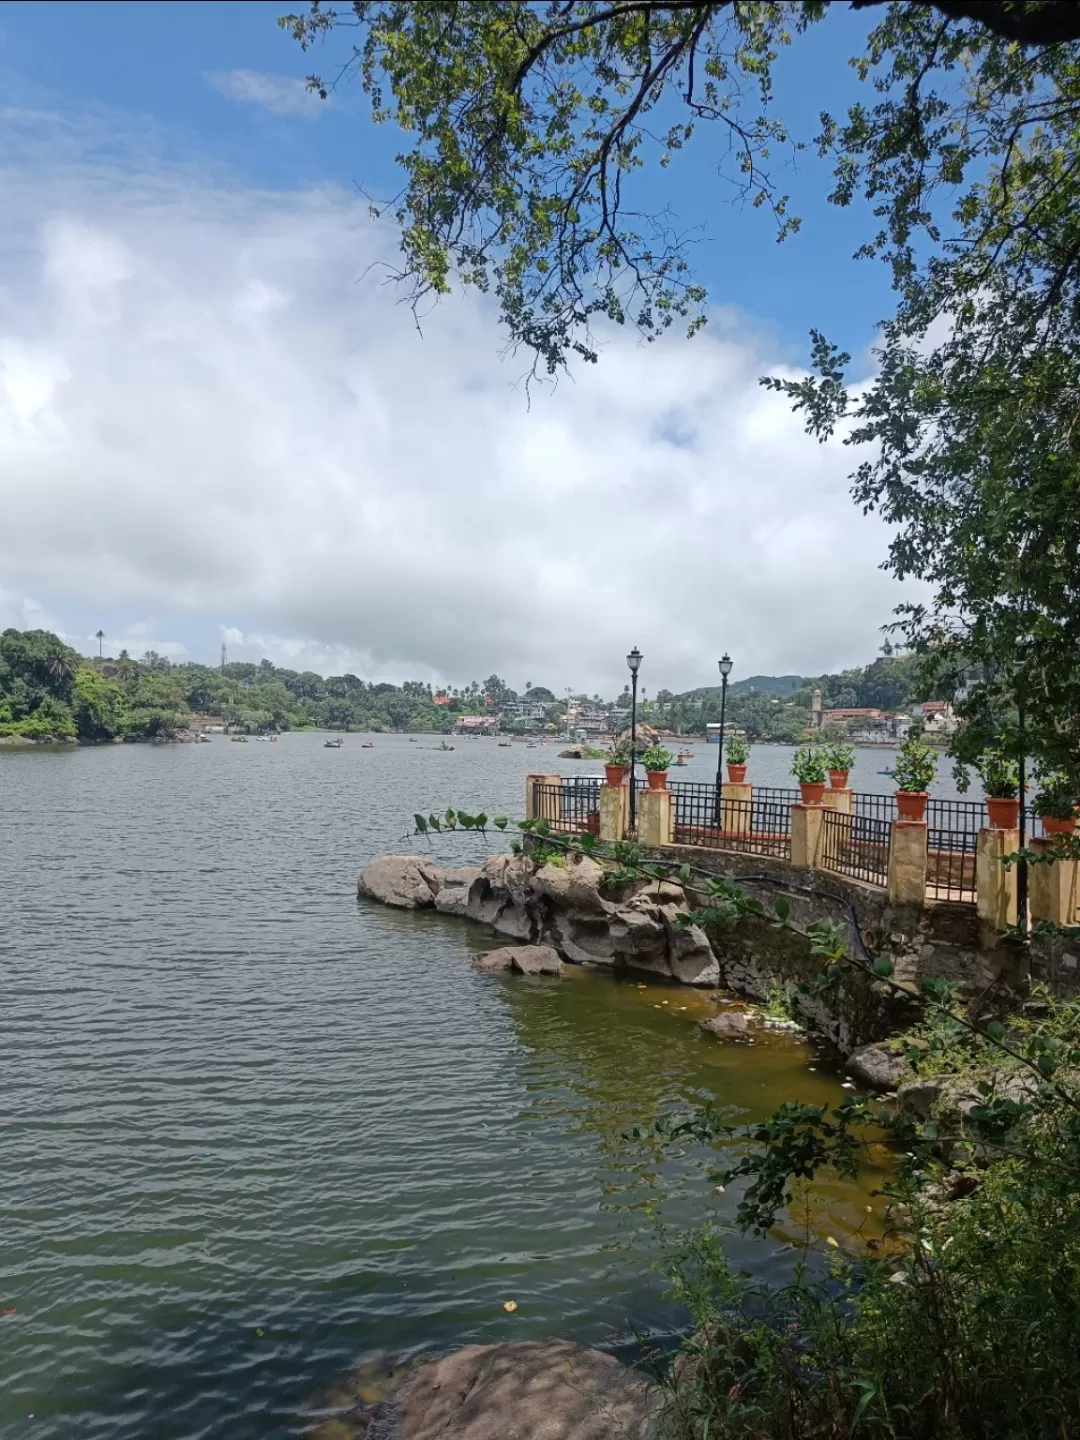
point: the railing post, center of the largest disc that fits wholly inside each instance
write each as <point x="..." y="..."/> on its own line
<point x="614" y="811"/>
<point x="656" y="817"/>
<point x="1052" y="888"/>
<point x="995" y="886"/>
<point x="736" y="810"/>
<point x="806" y="823"/>
<point x="908" y="861"/>
<point x="843" y="801"/>
<point x="539" y="806"/>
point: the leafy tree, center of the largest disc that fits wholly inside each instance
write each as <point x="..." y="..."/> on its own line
<point x="528" y="125"/>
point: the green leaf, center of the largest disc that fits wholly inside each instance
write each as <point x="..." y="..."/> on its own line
<point x="996" y="1030"/>
<point x="883" y="966"/>
<point x="500" y="822"/>
<point x="421" y="824"/>
<point x="782" y="909"/>
<point x="433" y="821"/>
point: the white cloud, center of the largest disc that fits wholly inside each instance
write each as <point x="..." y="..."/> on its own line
<point x="280" y="94"/>
<point x="205" y="417"/>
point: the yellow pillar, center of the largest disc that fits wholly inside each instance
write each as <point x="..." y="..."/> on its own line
<point x="736" y="807"/>
<point x="1052" y="889"/>
<point x="995" y="886"/>
<point x="806" y="823"/>
<point x="656" y="817"/>
<point x="550" y="807"/>
<point x="907" y="863"/>
<point x="843" y="801"/>
<point x="614" y="811"/>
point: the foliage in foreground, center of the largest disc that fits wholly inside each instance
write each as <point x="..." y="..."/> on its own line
<point x="964" y="1322"/>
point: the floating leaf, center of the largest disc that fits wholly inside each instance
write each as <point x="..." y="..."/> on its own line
<point x="510" y="1306"/>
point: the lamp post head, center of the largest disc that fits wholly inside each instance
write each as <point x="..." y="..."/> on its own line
<point x="725" y="665"/>
<point x="634" y="660"/>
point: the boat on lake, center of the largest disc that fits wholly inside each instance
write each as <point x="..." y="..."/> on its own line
<point x="333" y="744"/>
<point x="368" y="745"/>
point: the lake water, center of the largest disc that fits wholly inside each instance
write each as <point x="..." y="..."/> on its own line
<point x="255" y="1132"/>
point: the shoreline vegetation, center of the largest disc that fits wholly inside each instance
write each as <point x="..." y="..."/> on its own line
<point x="50" y="694"/>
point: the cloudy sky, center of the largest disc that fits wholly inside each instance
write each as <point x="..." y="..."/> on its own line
<point x="217" y="422"/>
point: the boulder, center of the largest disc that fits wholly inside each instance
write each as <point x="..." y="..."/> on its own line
<point x="501" y="896"/>
<point x="639" y="937"/>
<point x="456" y="887"/>
<point x="409" y="882"/>
<point x="524" y="1390"/>
<point x="525" y="959"/>
<point x="731" y="1022"/>
<point x="691" y="956"/>
<point x="573" y="886"/>
<point x="947" y="1094"/>
<point x="878" y="1066"/>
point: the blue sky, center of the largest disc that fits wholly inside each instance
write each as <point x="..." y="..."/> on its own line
<point x="118" y="116"/>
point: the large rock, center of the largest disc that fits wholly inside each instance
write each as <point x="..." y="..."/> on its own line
<point x="410" y="882"/>
<point x="455" y="890"/>
<point x="691" y="956"/>
<point x="524" y="1390"/>
<point x="502" y="896"/>
<point x="878" y="1066"/>
<point x="730" y="1022"/>
<point x="573" y="886"/>
<point x="525" y="959"/>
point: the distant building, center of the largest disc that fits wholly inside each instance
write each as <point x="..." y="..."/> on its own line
<point x="524" y="710"/>
<point x="476" y="722"/>
<point x="937" y="716"/>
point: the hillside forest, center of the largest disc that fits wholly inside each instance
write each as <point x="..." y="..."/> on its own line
<point x="48" y="691"/>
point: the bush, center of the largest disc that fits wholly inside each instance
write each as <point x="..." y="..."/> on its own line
<point x="1056" y="797"/>
<point x="916" y="765"/>
<point x="655" y="757"/>
<point x="999" y="773"/>
<point x="839" y="757"/>
<point x="967" y="1329"/>
<point x="808" y="765"/>
<point x="738" y="750"/>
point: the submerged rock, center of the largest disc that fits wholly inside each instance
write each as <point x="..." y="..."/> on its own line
<point x="409" y="882"/>
<point x="525" y="959"/>
<point x="878" y="1066"/>
<point x="731" y="1022"/>
<point x="523" y="1390"/>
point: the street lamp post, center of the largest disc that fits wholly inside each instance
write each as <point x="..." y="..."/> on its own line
<point x="1021" y="765"/>
<point x="634" y="662"/>
<point x="725" y="670"/>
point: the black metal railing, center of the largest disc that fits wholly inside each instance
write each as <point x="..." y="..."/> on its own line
<point x="568" y="808"/>
<point x="703" y="817"/>
<point x="858" y="844"/>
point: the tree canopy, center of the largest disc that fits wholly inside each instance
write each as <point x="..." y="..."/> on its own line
<point x="529" y="127"/>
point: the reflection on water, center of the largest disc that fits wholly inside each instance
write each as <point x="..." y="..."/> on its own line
<point x="257" y="1132"/>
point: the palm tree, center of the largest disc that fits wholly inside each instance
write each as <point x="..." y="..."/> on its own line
<point x="99" y="637"/>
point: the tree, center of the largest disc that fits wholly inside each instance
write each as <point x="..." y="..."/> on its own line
<point x="99" y="636"/>
<point x="528" y="124"/>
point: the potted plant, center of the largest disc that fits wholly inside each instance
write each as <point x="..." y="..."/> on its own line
<point x="1055" y="803"/>
<point x="1001" y="781"/>
<point x="616" y="763"/>
<point x="808" y="767"/>
<point x="915" y="767"/>
<point x="738" y="753"/>
<point x="838" y="760"/>
<point x="656" y="761"/>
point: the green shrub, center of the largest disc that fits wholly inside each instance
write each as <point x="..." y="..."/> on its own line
<point x="916" y="765"/>
<point x="738" y="750"/>
<point x="808" y="765"/>
<point x="839" y="757"/>
<point x="655" y="757"/>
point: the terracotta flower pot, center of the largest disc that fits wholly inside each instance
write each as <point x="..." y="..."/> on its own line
<point x="1004" y="812"/>
<point x="736" y="773"/>
<point x="657" y="779"/>
<point x="813" y="792"/>
<point x="838" y="779"/>
<point x="1054" y="825"/>
<point x="911" y="804"/>
<point x="615" y="774"/>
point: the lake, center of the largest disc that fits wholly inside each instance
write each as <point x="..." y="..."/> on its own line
<point x="256" y="1133"/>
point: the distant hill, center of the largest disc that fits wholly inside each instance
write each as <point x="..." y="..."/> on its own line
<point x="759" y="685"/>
